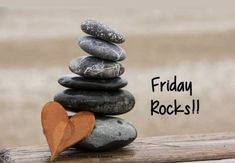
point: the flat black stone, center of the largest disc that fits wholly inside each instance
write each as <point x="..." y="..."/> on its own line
<point x="102" y="49"/>
<point x="102" y="31"/>
<point x="100" y="102"/>
<point x="79" y="82"/>
<point x="93" y="67"/>
<point x="109" y="133"/>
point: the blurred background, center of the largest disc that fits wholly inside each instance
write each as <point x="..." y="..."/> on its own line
<point x="194" y="40"/>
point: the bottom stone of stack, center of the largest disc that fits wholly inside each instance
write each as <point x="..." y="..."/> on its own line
<point x="109" y="133"/>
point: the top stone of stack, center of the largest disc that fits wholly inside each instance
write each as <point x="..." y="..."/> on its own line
<point x="102" y="31"/>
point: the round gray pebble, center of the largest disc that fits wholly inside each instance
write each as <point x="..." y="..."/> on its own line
<point x="102" y="49"/>
<point x="93" y="67"/>
<point x="100" y="102"/>
<point x="78" y="82"/>
<point x="102" y="31"/>
<point x="109" y="133"/>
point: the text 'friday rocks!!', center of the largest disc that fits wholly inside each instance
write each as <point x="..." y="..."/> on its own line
<point x="173" y="108"/>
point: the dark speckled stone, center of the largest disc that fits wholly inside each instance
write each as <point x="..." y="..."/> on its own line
<point x="99" y="102"/>
<point x="109" y="133"/>
<point x="93" y="67"/>
<point x="102" y="49"/>
<point x="102" y="31"/>
<point x="78" y="82"/>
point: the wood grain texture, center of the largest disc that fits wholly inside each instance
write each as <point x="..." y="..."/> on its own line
<point x="186" y="148"/>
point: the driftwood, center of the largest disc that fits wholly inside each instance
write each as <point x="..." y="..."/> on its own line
<point x="187" y="148"/>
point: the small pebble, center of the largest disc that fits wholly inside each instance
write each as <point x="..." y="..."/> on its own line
<point x="78" y="82"/>
<point x="93" y="67"/>
<point x="102" y="49"/>
<point x="102" y="31"/>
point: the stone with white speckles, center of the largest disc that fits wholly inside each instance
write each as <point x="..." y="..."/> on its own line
<point x="93" y="67"/>
<point x="100" y="102"/>
<point x="102" y="49"/>
<point x="109" y="133"/>
<point x="102" y="31"/>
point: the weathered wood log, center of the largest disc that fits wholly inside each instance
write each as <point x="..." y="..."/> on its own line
<point x="220" y="146"/>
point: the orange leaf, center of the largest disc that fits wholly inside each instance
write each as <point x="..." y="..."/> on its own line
<point x="62" y="132"/>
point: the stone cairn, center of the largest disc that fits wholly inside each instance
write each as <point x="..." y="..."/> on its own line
<point x="96" y="86"/>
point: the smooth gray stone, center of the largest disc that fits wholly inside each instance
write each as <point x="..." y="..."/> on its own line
<point x="79" y="82"/>
<point x="93" y="67"/>
<point x="100" y="102"/>
<point x="109" y="133"/>
<point x="102" y="49"/>
<point x="102" y="31"/>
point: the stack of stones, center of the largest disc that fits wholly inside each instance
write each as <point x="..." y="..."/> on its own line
<point x="96" y="87"/>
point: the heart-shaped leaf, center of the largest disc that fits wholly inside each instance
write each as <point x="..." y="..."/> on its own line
<point x="61" y="131"/>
